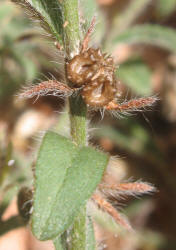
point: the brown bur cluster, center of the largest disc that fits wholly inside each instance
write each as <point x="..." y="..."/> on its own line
<point x="90" y="74"/>
<point x="94" y="72"/>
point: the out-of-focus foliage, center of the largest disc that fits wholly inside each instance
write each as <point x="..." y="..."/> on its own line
<point x="16" y="65"/>
<point x="149" y="34"/>
<point x="47" y="13"/>
<point x="19" y="45"/>
<point x="137" y="76"/>
<point x="146" y="142"/>
<point x="166" y="8"/>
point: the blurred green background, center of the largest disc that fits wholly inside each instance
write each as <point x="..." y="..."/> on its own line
<point x="141" y="36"/>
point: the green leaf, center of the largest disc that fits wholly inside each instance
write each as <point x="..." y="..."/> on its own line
<point x="66" y="176"/>
<point x="48" y="13"/>
<point x="55" y="155"/>
<point x="156" y="35"/>
<point x="137" y="76"/>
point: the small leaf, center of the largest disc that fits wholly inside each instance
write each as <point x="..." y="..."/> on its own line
<point x="155" y="35"/>
<point x="66" y="176"/>
<point x="137" y="76"/>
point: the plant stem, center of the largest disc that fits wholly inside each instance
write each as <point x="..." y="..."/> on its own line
<point x="72" y="36"/>
<point x="78" y="110"/>
<point x="72" y="32"/>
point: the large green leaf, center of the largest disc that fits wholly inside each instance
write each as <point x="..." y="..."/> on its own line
<point x="66" y="176"/>
<point x="54" y="157"/>
<point x="137" y="76"/>
<point x="156" y="35"/>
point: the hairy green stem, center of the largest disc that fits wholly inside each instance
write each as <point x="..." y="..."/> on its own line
<point x="78" y="120"/>
<point x="71" y="25"/>
<point x="72" y="37"/>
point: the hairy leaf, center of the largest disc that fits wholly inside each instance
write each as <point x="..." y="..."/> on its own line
<point x="54" y="158"/>
<point x="66" y="176"/>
